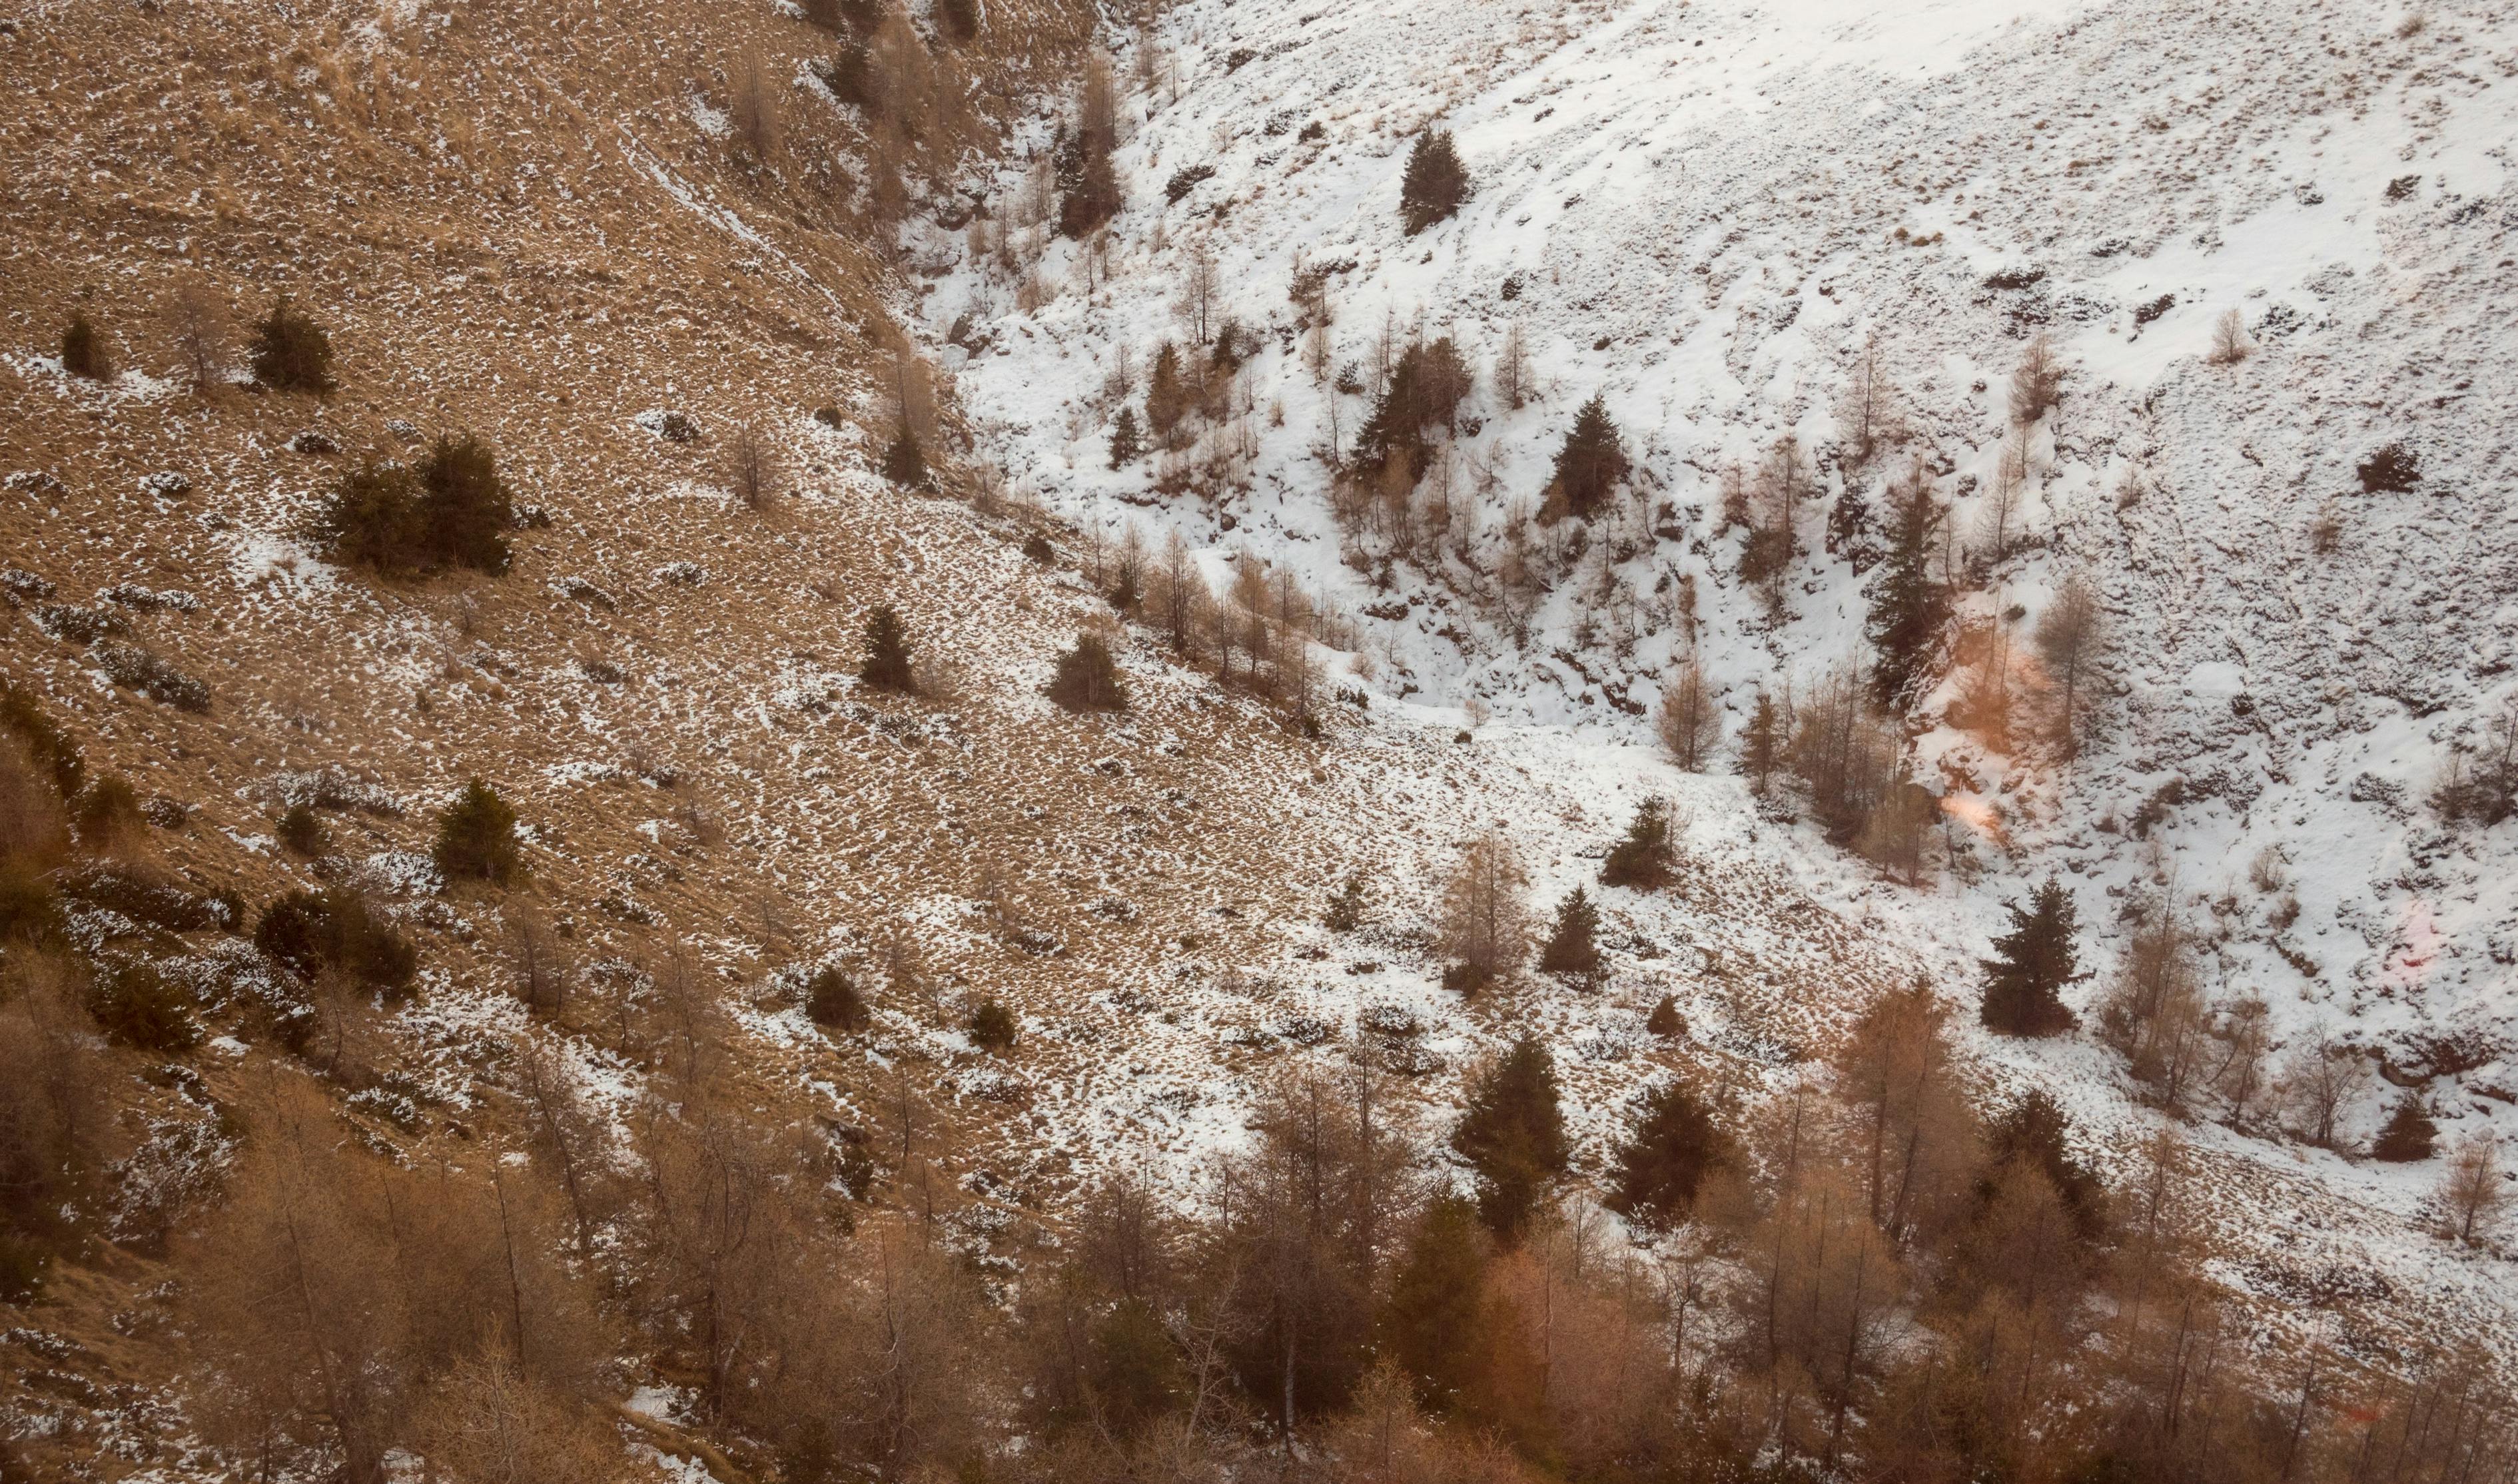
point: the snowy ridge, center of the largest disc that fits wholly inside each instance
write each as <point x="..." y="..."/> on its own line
<point x="1703" y="214"/>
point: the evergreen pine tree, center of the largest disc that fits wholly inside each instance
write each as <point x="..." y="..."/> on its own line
<point x="291" y="352"/>
<point x="1345" y="913"/>
<point x="2031" y="966"/>
<point x="83" y="352"/>
<point x="1643" y="859"/>
<point x="1673" y="1146"/>
<point x="1593" y="463"/>
<point x="1573" y="949"/>
<point x="1436" y="1321"/>
<point x="830" y="998"/>
<point x="1125" y="443"/>
<point x="1512" y="1133"/>
<point x="1435" y="183"/>
<point x="2038" y="1131"/>
<point x="904" y="463"/>
<point x="1087" y="679"/>
<point x="1665" y="1021"/>
<point x="992" y="1027"/>
<point x="1166" y="398"/>
<point x="886" y="652"/>
<point x="464" y="504"/>
<point x="476" y="837"/>
<point x="2410" y="1134"/>
<point x="1909" y="610"/>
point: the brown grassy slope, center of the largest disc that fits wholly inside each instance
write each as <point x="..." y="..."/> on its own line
<point x="574" y="252"/>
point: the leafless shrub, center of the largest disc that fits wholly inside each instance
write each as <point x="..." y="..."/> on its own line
<point x="2229" y="343"/>
<point x="753" y="468"/>
<point x="200" y="329"/>
<point x="1689" y="719"/>
<point x="2474" y="1196"/>
<point x="2038" y="385"/>
<point x="753" y="109"/>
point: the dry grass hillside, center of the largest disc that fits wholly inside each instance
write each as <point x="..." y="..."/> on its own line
<point x="652" y="260"/>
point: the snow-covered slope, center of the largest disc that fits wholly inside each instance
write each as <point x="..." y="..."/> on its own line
<point x="1704" y="214"/>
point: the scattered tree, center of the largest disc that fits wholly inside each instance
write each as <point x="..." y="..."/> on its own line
<point x="291" y="352"/>
<point x="2474" y="1196"/>
<point x="1483" y="923"/>
<point x="1168" y="397"/>
<point x="2038" y="385"/>
<point x="1573" y="949"/>
<point x="1087" y="678"/>
<point x="2321" y="1079"/>
<point x="451" y="510"/>
<point x="1125" y="441"/>
<point x="1867" y="412"/>
<point x="1762" y="742"/>
<point x="2073" y="638"/>
<point x="886" y="663"/>
<point x="2229" y="344"/>
<point x="476" y="837"/>
<point x="753" y="110"/>
<point x="1645" y="858"/>
<point x="1674" y="1144"/>
<point x="751" y="464"/>
<point x="2032" y="964"/>
<point x="1689" y="719"/>
<point x="197" y="324"/>
<point x="83" y="352"/>
<point x="993" y="1027"/>
<point x="1512" y="1134"/>
<point x="1910" y="612"/>
<point x="1591" y="463"/>
<point x="1665" y="1021"/>
<point x="1425" y="386"/>
<point x="2408" y="1135"/>
<point x="904" y="460"/>
<point x="1435" y="183"/>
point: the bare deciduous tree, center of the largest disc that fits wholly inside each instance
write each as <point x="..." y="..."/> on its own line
<point x="2038" y="385"/>
<point x="2071" y="639"/>
<point x="2320" y="1078"/>
<point x="1202" y="287"/>
<point x="200" y="328"/>
<point x="1867" y="412"/>
<point x="1485" y="919"/>
<point x="2229" y="344"/>
<point x="1689" y="719"/>
<point x="753" y="110"/>
<point x="1512" y="366"/>
<point x="2474" y="1196"/>
<point x="752" y="466"/>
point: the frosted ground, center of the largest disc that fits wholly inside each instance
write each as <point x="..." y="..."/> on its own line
<point x="1701" y="212"/>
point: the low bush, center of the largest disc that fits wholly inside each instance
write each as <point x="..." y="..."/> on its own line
<point x="138" y="1006"/>
<point x="147" y="898"/>
<point x="137" y="669"/>
<point x="104" y="812"/>
<point x="302" y="830"/>
<point x="47" y="746"/>
<point x="307" y="932"/>
<point x="992" y="1027"/>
